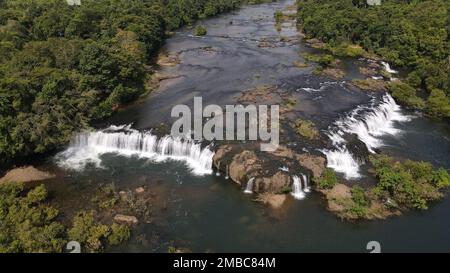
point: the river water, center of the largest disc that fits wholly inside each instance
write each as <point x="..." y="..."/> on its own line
<point x="207" y="213"/>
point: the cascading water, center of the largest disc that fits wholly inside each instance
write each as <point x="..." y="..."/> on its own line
<point x="306" y="183"/>
<point x="369" y="123"/>
<point x="297" y="190"/>
<point x="388" y="68"/>
<point x="87" y="148"/>
<point x="249" y="187"/>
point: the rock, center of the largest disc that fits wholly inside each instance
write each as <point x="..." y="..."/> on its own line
<point x="369" y="85"/>
<point x="335" y="196"/>
<point x="273" y="184"/>
<point x="244" y="166"/>
<point x="26" y="174"/>
<point x="140" y="190"/>
<point x="357" y="148"/>
<point x="315" y="43"/>
<point x="276" y="201"/>
<point x="339" y="191"/>
<point x="127" y="219"/>
<point x="314" y="163"/>
<point x="334" y="73"/>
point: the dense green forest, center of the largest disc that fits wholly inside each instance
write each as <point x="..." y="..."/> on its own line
<point x="412" y="34"/>
<point x="62" y="66"/>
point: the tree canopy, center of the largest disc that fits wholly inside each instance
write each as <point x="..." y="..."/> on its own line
<point x="63" y="67"/>
<point x="411" y="34"/>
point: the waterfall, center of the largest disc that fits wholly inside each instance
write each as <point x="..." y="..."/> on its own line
<point x="388" y="68"/>
<point x="297" y="190"/>
<point x="342" y="162"/>
<point x="87" y="147"/>
<point x="249" y="187"/>
<point x="306" y="187"/>
<point x="369" y="123"/>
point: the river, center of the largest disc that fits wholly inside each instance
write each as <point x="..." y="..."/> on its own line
<point x="207" y="213"/>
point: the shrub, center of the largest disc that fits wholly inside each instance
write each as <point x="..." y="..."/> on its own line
<point x="119" y="234"/>
<point x="306" y="129"/>
<point x="27" y="224"/>
<point x="438" y="104"/>
<point x="200" y="31"/>
<point x="327" y="180"/>
<point x="411" y="184"/>
<point x="88" y="232"/>
<point x="406" y="95"/>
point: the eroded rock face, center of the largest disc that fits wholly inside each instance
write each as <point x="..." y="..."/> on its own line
<point x="269" y="169"/>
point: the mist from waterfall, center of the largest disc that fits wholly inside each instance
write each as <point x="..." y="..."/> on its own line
<point x="88" y="147"/>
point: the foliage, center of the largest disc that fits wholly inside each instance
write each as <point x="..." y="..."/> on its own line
<point x="411" y="184"/>
<point x="306" y="128"/>
<point x="27" y="224"/>
<point x="119" y="234"/>
<point x="360" y="205"/>
<point x="410" y="34"/>
<point x="63" y="67"/>
<point x="87" y="232"/>
<point x="327" y="180"/>
<point x="324" y="60"/>
<point x="405" y="94"/>
<point x="200" y="31"/>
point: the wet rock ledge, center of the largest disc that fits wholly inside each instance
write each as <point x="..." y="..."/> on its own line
<point x="271" y="172"/>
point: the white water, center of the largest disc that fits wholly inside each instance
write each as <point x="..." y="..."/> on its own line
<point x="88" y="147"/>
<point x="297" y="190"/>
<point x="388" y="68"/>
<point x="369" y="124"/>
<point x="342" y="162"/>
<point x="323" y="86"/>
<point x="249" y="187"/>
<point x="306" y="187"/>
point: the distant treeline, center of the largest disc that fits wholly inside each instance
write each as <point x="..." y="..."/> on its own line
<point x="413" y="34"/>
<point x="62" y="66"/>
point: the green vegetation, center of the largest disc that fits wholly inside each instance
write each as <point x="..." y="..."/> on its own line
<point x="279" y="16"/>
<point x="369" y="84"/>
<point x="200" y="31"/>
<point x="93" y="236"/>
<point x="306" y="128"/>
<point x="327" y="180"/>
<point x="411" y="184"/>
<point x="410" y="34"/>
<point x="406" y="95"/>
<point x="325" y="60"/>
<point x="63" y="67"/>
<point x="360" y="205"/>
<point x="28" y="224"/>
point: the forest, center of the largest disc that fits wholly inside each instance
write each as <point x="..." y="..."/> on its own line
<point x="63" y="67"/>
<point x="411" y="34"/>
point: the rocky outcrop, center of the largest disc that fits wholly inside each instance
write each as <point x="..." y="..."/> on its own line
<point x="275" y="201"/>
<point x="243" y="163"/>
<point x="126" y="219"/>
<point x="244" y="166"/>
<point x="26" y="174"/>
